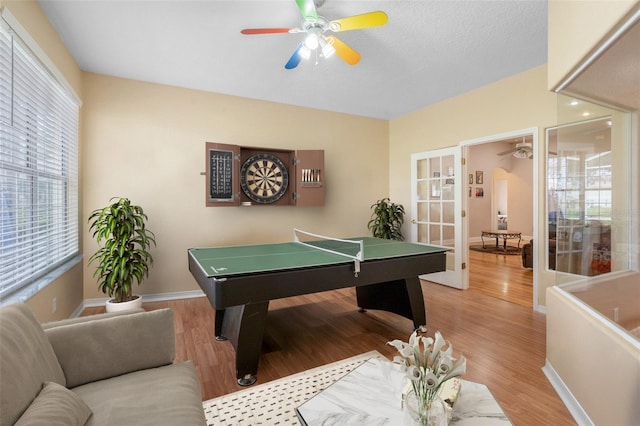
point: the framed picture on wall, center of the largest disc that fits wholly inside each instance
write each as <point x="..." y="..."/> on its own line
<point x="470" y="178"/>
<point x="479" y="177"/>
<point x="479" y="192"/>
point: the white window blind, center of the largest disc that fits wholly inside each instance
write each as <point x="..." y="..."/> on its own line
<point x="38" y="167"/>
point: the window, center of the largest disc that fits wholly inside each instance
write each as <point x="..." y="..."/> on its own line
<point x="38" y="167"/>
<point x="580" y="193"/>
<point x="579" y="170"/>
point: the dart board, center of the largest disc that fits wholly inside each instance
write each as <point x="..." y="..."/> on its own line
<point x="264" y="178"/>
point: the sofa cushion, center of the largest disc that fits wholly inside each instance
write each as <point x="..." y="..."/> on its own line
<point x="55" y="405"/>
<point x="27" y="361"/>
<point x="97" y="350"/>
<point x="168" y="395"/>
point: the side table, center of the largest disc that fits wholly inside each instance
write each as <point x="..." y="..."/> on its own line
<point x="505" y="235"/>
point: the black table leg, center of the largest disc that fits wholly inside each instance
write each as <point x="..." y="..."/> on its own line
<point x="244" y="326"/>
<point x="217" y="328"/>
<point x="402" y="297"/>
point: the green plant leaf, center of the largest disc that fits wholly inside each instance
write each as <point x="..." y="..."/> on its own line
<point x="123" y="257"/>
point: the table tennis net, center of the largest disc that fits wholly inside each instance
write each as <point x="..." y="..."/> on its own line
<point x="352" y="249"/>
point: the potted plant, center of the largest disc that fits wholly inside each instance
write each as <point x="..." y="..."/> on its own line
<point x="387" y="220"/>
<point x="124" y="257"/>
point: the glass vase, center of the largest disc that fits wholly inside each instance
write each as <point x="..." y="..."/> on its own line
<point x="425" y="412"/>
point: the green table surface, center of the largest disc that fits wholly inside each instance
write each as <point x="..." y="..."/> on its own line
<point x="219" y="262"/>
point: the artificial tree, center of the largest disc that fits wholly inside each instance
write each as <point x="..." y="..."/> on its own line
<point x="386" y="220"/>
<point x="125" y="256"/>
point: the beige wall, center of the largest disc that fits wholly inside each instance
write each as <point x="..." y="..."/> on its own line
<point x="68" y="288"/>
<point x="147" y="142"/>
<point x="576" y="28"/>
<point x="518" y="102"/>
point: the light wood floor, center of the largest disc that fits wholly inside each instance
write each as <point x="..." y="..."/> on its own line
<point x="501" y="276"/>
<point x="504" y="342"/>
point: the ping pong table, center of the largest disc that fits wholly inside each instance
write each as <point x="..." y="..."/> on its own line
<point x="239" y="282"/>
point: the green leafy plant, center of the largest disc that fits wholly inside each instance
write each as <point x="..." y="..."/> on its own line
<point x="124" y="255"/>
<point x="386" y="220"/>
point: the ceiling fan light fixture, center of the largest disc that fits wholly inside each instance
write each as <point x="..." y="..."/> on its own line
<point x="304" y="52"/>
<point x="521" y="154"/>
<point x="327" y="48"/>
<point x="311" y="42"/>
<point x="316" y="26"/>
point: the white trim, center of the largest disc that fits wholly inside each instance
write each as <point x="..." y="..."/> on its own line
<point x="24" y="35"/>
<point x="146" y="298"/>
<point x="572" y="404"/>
<point x="535" y="196"/>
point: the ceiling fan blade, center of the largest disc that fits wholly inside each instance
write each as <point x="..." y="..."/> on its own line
<point x="506" y="152"/>
<point x="265" y="30"/>
<point x="345" y="52"/>
<point x="366" y="20"/>
<point x="308" y="9"/>
<point x="295" y="59"/>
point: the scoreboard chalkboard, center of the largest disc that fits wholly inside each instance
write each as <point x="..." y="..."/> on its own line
<point x="221" y="175"/>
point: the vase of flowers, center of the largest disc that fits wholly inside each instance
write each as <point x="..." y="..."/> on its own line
<point x="428" y="363"/>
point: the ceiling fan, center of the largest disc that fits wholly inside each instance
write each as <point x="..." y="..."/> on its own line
<point x="315" y="26"/>
<point x="521" y="150"/>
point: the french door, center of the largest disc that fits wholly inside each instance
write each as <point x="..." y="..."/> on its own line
<point x="436" y="197"/>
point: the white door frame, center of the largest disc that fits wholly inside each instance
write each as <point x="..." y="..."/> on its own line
<point x="536" y="208"/>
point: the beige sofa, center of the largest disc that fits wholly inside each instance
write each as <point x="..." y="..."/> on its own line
<point x="100" y="370"/>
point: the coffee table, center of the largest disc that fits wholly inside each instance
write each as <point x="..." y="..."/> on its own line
<point x="372" y="394"/>
<point x="504" y="235"/>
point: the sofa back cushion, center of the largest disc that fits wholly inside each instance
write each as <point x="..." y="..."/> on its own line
<point x="27" y="361"/>
<point x="108" y="347"/>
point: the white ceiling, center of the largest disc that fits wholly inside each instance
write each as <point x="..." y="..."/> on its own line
<point x="430" y="50"/>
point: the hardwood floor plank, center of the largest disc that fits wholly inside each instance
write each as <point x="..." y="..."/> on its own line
<point x="501" y="276"/>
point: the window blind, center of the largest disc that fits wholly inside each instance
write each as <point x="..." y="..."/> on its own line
<point x="38" y="167"/>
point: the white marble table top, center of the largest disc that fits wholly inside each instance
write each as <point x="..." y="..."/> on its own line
<point x="372" y="395"/>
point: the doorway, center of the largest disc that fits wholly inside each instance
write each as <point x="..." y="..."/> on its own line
<point x="502" y="182"/>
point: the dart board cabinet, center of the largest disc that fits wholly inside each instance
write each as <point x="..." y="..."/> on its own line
<point x="250" y="176"/>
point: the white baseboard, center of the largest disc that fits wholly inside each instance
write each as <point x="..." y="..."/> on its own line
<point x="160" y="297"/>
<point x="572" y="404"/>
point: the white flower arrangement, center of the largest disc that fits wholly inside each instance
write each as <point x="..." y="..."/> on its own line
<point x="428" y="364"/>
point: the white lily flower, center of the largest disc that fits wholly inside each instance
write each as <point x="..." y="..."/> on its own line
<point x="437" y="346"/>
<point x="401" y="360"/>
<point x="444" y="366"/>
<point x="414" y="340"/>
<point x="458" y="369"/>
<point x="398" y="344"/>
<point x="414" y="373"/>
<point x="430" y="380"/>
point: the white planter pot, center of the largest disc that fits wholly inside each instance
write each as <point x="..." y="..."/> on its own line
<point x="124" y="306"/>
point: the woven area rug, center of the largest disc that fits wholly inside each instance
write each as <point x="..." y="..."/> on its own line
<point x="274" y="403"/>
<point x="511" y="250"/>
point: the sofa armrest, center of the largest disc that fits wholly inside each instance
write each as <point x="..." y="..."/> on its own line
<point x="112" y="346"/>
